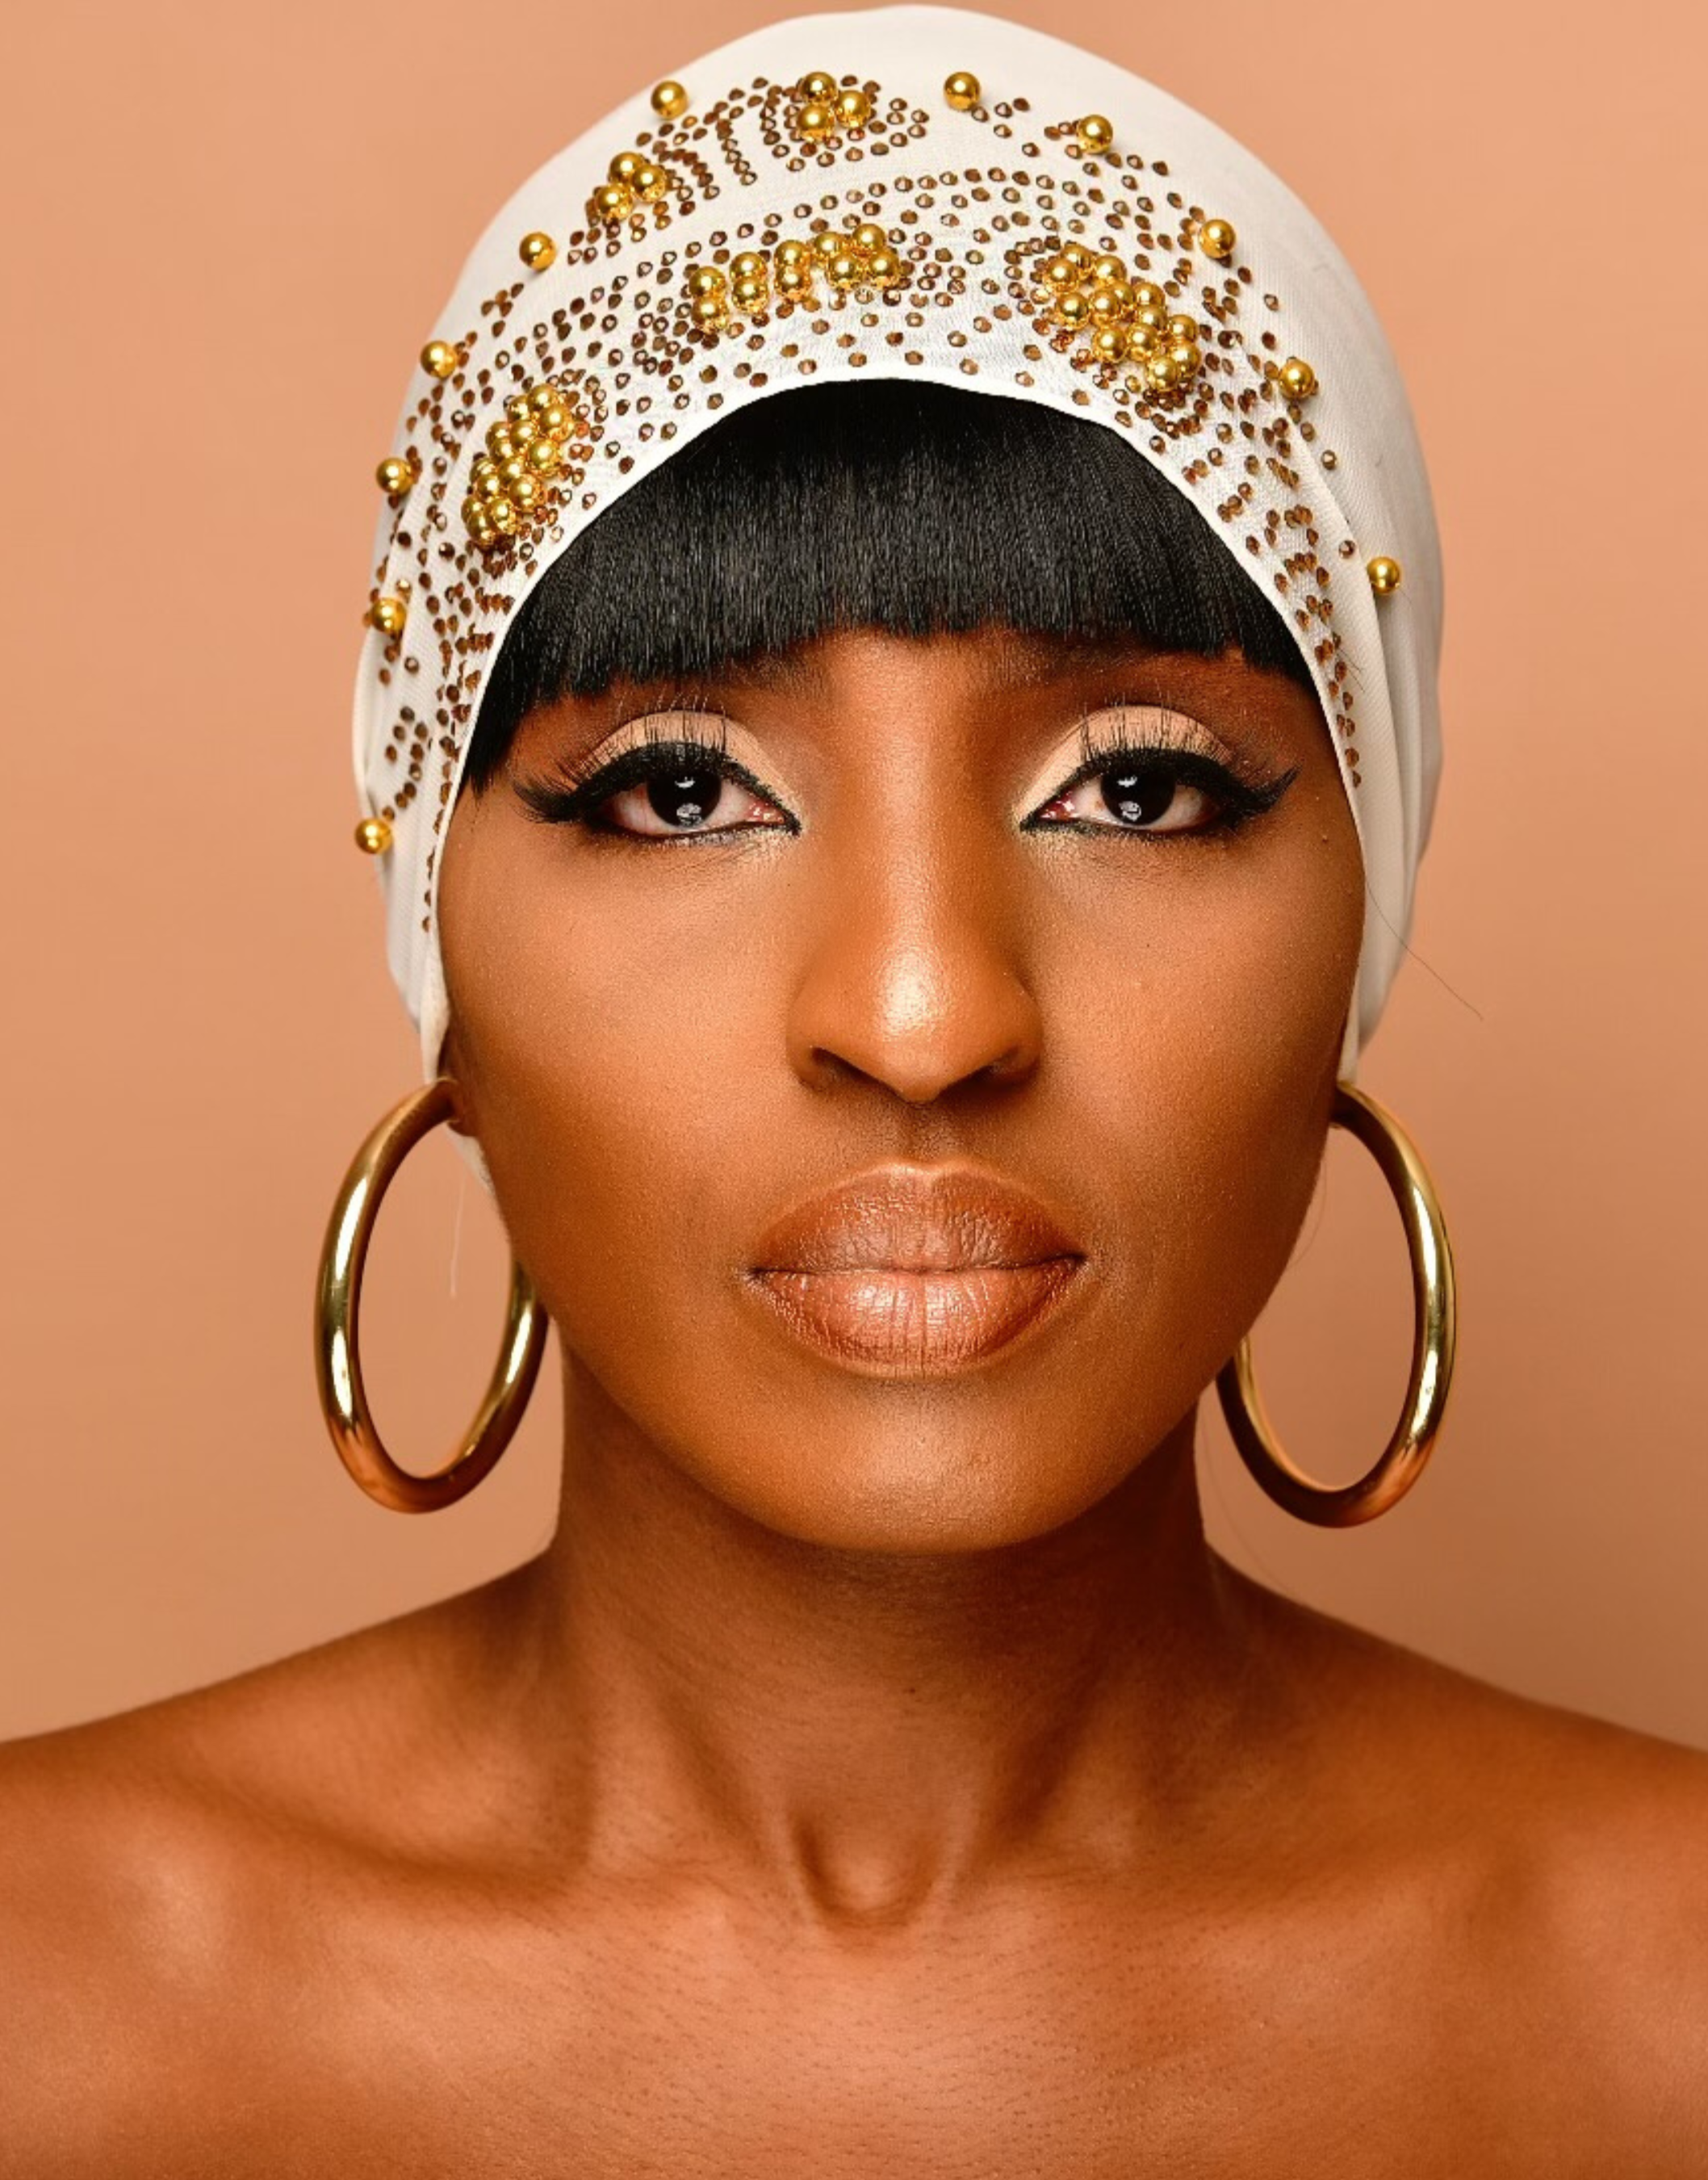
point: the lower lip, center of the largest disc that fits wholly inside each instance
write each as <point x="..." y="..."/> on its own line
<point x="916" y="1323"/>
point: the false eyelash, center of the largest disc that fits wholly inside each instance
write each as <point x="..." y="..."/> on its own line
<point x="1238" y="800"/>
<point x="578" y="789"/>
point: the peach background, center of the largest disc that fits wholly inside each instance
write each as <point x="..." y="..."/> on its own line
<point x="232" y="227"/>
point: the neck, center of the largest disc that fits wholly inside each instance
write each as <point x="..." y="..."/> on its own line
<point x="871" y="1733"/>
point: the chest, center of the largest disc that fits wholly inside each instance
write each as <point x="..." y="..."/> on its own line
<point x="703" y="2050"/>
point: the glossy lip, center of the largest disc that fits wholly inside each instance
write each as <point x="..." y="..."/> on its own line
<point x="915" y="1271"/>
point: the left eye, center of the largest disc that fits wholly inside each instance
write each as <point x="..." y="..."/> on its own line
<point x="1145" y="796"/>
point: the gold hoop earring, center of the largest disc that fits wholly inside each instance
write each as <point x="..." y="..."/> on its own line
<point x="338" y="1355"/>
<point x="1435" y="1328"/>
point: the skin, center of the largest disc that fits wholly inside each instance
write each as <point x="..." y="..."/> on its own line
<point x="874" y="1777"/>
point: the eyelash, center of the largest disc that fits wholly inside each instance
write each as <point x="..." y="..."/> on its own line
<point x="579" y="791"/>
<point x="1237" y="801"/>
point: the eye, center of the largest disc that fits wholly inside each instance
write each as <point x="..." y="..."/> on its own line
<point x="674" y="787"/>
<point x="1157" y="791"/>
<point x="683" y="792"/>
<point x="1145" y="795"/>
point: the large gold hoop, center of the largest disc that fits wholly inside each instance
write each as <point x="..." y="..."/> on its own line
<point x="337" y="1352"/>
<point x="1434" y="1327"/>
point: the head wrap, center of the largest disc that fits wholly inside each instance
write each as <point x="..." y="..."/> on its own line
<point x="909" y="192"/>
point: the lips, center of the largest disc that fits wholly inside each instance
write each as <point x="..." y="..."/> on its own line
<point x="915" y="1270"/>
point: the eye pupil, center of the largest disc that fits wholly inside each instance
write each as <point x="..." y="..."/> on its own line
<point x="685" y="800"/>
<point x="1138" y="797"/>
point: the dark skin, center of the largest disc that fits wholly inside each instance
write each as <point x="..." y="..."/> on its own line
<point x="874" y="1777"/>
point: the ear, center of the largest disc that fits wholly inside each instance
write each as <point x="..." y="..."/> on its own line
<point x="451" y="1071"/>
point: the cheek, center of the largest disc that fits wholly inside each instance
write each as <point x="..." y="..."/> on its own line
<point x="1202" y="1041"/>
<point x="605" y="1040"/>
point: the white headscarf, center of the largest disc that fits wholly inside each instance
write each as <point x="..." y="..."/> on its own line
<point x="607" y="305"/>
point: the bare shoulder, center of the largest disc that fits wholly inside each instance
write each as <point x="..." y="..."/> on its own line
<point x="1570" y="1861"/>
<point x="166" y="1875"/>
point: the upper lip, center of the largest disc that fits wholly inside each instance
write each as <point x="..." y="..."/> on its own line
<point x="914" y="1219"/>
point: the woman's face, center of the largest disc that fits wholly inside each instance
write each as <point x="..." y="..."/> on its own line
<point x="1070" y="1035"/>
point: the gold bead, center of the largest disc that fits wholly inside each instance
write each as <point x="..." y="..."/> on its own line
<point x="1109" y="344"/>
<point x="440" y="358"/>
<point x="543" y="457"/>
<point x="962" y="91"/>
<point x="373" y="836"/>
<point x="1153" y="319"/>
<point x="536" y="251"/>
<point x="828" y="245"/>
<point x="1061" y="273"/>
<point x="751" y="293"/>
<point x="1072" y="309"/>
<point x="1095" y="132"/>
<point x="706" y="280"/>
<point x="1112" y="304"/>
<point x="816" y="120"/>
<point x="612" y="201"/>
<point x="1216" y="238"/>
<point x="387" y="615"/>
<point x="542" y="397"/>
<point x="668" y="98"/>
<point x="650" y="181"/>
<point x="855" y="108"/>
<point x="846" y="270"/>
<point x="816" y="86"/>
<point x="1076" y="253"/>
<point x="1297" y="378"/>
<point x="395" y="474"/>
<point x="625" y="167"/>
<point x="748" y="265"/>
<point x="1164" y="372"/>
<point x="710" y="311"/>
<point x="1384" y="574"/>
<point x="1183" y="328"/>
<point x="884" y="269"/>
<point x="794" y="279"/>
<point x="502" y="517"/>
<point x="792" y="253"/>
<point x="870" y="236"/>
<point x="1188" y="355"/>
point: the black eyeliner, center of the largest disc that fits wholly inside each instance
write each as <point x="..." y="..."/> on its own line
<point x="574" y="796"/>
<point x="1237" y="800"/>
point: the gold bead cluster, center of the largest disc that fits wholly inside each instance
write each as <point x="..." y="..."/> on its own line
<point x="1120" y="319"/>
<point x="513" y="485"/>
<point x="864" y="257"/>
<point x="631" y="180"/>
<point x="822" y="109"/>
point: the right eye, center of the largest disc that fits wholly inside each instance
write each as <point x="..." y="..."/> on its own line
<point x="681" y="787"/>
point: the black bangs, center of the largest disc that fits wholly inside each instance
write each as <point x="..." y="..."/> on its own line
<point x="915" y="508"/>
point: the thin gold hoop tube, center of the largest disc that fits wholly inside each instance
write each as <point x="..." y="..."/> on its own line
<point x="1434" y="1336"/>
<point x="338" y="1351"/>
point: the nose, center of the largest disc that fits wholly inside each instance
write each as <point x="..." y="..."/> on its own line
<point x="913" y="980"/>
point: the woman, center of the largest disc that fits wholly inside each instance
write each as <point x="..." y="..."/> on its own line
<point x="897" y="728"/>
